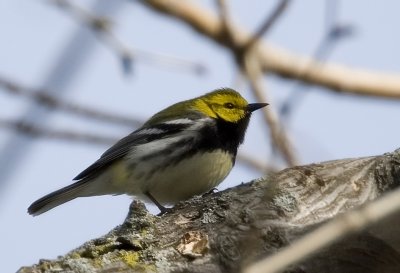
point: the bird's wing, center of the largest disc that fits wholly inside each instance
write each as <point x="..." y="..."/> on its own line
<point x="125" y="145"/>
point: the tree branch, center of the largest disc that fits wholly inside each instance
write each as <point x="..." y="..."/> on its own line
<point x="268" y="23"/>
<point x="282" y="62"/>
<point x="229" y="230"/>
<point x="252" y="70"/>
<point x="36" y="131"/>
<point x="45" y="98"/>
<point x="346" y="224"/>
<point x="335" y="32"/>
<point x="103" y="27"/>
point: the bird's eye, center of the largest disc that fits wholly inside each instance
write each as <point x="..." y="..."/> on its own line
<point x="229" y="105"/>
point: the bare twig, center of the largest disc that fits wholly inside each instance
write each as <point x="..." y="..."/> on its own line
<point x="35" y="131"/>
<point x="226" y="22"/>
<point x="253" y="73"/>
<point x="346" y="224"/>
<point x="335" y="33"/>
<point x="254" y="164"/>
<point x="268" y="23"/>
<point x="44" y="98"/>
<point x="331" y="14"/>
<point x="252" y="70"/>
<point x="103" y="27"/>
<point x="279" y="61"/>
<point x="241" y="52"/>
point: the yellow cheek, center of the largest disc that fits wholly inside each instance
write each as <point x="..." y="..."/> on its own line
<point x="232" y="116"/>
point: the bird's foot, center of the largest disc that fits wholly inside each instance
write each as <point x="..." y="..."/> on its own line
<point x="213" y="190"/>
<point x="164" y="210"/>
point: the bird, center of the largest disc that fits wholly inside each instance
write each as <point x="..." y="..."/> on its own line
<point x="184" y="150"/>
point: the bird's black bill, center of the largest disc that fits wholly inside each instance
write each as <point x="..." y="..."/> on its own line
<point x="254" y="106"/>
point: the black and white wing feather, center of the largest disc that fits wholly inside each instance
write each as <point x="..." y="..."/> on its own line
<point x="128" y="143"/>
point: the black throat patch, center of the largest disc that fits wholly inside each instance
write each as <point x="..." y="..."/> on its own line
<point x="226" y="136"/>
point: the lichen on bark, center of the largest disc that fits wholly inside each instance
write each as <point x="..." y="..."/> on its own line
<point x="225" y="231"/>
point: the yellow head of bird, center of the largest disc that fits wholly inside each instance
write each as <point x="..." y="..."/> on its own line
<point x="225" y="104"/>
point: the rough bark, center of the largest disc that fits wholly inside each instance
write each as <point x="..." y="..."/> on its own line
<point x="225" y="231"/>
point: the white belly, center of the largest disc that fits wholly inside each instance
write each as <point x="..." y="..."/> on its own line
<point x="194" y="175"/>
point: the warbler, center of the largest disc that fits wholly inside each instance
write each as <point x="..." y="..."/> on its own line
<point x="184" y="150"/>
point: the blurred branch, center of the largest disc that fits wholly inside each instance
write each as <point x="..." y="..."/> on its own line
<point x="254" y="164"/>
<point x="335" y="33"/>
<point x="226" y="21"/>
<point x="35" y="131"/>
<point x="32" y="130"/>
<point x="343" y="225"/>
<point x="268" y="23"/>
<point x="45" y="98"/>
<point x="102" y="26"/>
<point x="252" y="70"/>
<point x="282" y="62"/>
<point x="331" y="13"/>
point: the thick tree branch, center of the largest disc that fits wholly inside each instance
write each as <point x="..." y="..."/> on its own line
<point x="229" y="230"/>
<point x="282" y="62"/>
<point x="348" y="223"/>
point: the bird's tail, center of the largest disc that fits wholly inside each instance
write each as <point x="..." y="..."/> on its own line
<point x="59" y="197"/>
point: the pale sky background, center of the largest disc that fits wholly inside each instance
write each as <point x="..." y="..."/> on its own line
<point x="324" y="125"/>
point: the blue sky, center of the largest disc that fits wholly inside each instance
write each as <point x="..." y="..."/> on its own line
<point x="324" y="125"/>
